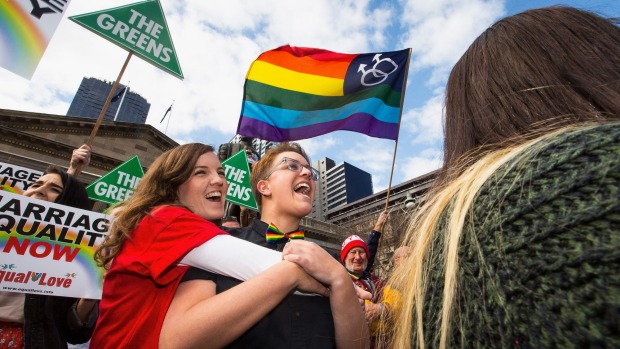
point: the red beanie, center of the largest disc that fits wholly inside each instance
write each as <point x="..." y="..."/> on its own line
<point x="349" y="243"/>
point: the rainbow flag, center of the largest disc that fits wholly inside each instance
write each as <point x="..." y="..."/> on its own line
<point x="26" y="27"/>
<point x="294" y="93"/>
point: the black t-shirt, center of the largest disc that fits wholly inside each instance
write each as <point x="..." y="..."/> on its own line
<point x="297" y="322"/>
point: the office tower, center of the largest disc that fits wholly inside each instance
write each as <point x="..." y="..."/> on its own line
<point x="91" y="96"/>
<point x="338" y="185"/>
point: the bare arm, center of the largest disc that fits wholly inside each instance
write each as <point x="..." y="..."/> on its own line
<point x="199" y="318"/>
<point x="349" y="321"/>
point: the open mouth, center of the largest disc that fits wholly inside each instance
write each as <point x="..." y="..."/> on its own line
<point x="302" y="188"/>
<point x="215" y="196"/>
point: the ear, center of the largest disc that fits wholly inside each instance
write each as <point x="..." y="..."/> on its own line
<point x="263" y="188"/>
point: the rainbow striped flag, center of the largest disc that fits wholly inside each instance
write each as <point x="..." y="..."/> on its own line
<point x="294" y="93"/>
<point x="26" y="28"/>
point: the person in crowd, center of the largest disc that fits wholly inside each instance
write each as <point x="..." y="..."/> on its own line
<point x="283" y="184"/>
<point x="355" y="254"/>
<point x="230" y="222"/>
<point x="516" y="245"/>
<point x="33" y="321"/>
<point x="165" y="227"/>
<point x="400" y="254"/>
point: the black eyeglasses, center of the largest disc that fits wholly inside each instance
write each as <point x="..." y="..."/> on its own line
<point x="295" y="166"/>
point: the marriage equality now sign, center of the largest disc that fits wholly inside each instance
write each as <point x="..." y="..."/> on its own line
<point x="17" y="179"/>
<point x="46" y="248"/>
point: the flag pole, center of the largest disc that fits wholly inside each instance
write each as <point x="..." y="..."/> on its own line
<point x="120" y="104"/>
<point x="402" y="100"/>
<point x="169" y="117"/>
<point x="107" y="102"/>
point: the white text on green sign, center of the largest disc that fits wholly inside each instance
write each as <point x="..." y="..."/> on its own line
<point x="237" y="173"/>
<point x="119" y="184"/>
<point x="140" y="28"/>
<point x="121" y="190"/>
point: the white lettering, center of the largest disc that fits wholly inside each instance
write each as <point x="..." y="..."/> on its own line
<point x="156" y="30"/>
<point x="120" y="29"/>
<point x="143" y="22"/>
<point x="136" y="37"/>
<point x="133" y="35"/>
<point x="142" y="41"/>
<point x="105" y="21"/>
<point x="165" y="55"/>
<point x="100" y="188"/>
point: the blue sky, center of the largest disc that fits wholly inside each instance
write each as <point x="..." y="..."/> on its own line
<point x="217" y="40"/>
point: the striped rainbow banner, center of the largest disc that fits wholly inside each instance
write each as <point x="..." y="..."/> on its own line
<point x="294" y="93"/>
<point x="25" y="30"/>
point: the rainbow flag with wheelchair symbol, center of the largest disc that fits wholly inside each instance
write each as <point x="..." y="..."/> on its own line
<point x="294" y="93"/>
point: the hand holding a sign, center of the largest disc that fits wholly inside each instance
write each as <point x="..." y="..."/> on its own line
<point x="79" y="159"/>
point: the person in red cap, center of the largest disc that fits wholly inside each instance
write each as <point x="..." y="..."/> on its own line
<point x="355" y="255"/>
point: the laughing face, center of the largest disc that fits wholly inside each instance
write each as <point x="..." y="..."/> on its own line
<point x="291" y="191"/>
<point x="204" y="193"/>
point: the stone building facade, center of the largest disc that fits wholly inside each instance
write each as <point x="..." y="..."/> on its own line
<point x="36" y="140"/>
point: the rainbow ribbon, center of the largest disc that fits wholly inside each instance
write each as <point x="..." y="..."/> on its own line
<point x="274" y="234"/>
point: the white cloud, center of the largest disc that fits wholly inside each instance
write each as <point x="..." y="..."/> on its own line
<point x="316" y="148"/>
<point x="426" y="161"/>
<point x="439" y="31"/>
<point x="370" y="154"/>
<point x="425" y="123"/>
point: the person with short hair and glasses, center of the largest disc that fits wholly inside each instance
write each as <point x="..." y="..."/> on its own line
<point x="283" y="184"/>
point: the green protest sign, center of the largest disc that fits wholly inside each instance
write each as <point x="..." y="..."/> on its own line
<point x="140" y="28"/>
<point x="238" y="178"/>
<point x="119" y="184"/>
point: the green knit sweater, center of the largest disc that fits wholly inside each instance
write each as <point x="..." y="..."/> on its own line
<point x="540" y="253"/>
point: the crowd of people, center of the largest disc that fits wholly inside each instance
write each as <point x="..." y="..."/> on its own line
<point x="514" y="246"/>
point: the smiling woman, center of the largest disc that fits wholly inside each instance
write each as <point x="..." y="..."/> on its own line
<point x="169" y="221"/>
<point x="205" y="191"/>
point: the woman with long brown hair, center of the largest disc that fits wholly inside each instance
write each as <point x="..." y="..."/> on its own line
<point x="517" y="243"/>
<point x="169" y="217"/>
